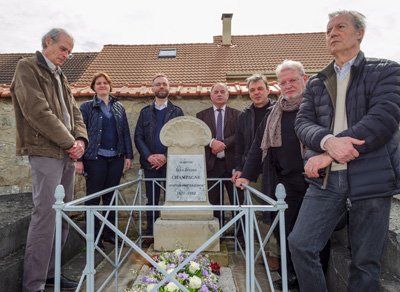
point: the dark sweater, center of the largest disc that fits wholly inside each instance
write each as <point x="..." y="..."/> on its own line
<point x="160" y="115"/>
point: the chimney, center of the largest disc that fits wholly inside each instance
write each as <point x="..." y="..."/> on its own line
<point x="226" y="28"/>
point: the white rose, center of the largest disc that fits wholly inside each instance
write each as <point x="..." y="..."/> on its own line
<point x="193" y="267"/>
<point x="150" y="286"/>
<point x="171" y="287"/>
<point x="177" y="252"/>
<point x="194" y="282"/>
<point x="162" y="265"/>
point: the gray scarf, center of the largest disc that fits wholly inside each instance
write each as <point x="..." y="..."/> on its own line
<point x="273" y="133"/>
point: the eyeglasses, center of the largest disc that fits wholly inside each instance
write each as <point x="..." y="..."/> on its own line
<point x="65" y="50"/>
<point x="288" y="82"/>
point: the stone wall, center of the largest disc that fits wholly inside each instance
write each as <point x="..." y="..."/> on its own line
<point x="15" y="170"/>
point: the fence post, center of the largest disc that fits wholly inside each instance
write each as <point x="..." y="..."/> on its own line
<point x="59" y="195"/>
<point x="90" y="250"/>
<point x="281" y="205"/>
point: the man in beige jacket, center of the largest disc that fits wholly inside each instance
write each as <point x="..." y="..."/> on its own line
<point x="50" y="130"/>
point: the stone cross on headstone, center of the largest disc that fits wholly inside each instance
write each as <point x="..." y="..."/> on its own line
<point x="186" y="184"/>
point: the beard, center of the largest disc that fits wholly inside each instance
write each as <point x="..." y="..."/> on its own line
<point x="162" y="95"/>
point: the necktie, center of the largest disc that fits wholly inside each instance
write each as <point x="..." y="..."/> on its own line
<point x="219" y="125"/>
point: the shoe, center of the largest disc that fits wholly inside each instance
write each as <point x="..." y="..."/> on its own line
<point x="112" y="241"/>
<point x="40" y="290"/>
<point x="147" y="242"/>
<point x="274" y="263"/>
<point x="65" y="284"/>
<point x="292" y="282"/>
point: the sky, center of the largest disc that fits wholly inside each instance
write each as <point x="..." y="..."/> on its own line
<point x="94" y="24"/>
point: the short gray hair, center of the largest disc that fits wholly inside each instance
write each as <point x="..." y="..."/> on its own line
<point x="357" y="17"/>
<point x="289" y="64"/>
<point x="54" y="33"/>
<point x="220" y="83"/>
<point x="256" y="78"/>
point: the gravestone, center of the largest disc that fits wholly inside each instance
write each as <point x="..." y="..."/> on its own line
<point x="186" y="184"/>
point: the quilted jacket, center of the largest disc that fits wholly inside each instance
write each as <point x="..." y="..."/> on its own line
<point x="92" y="116"/>
<point x="373" y="115"/>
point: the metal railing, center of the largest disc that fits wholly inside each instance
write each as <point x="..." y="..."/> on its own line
<point x="249" y="225"/>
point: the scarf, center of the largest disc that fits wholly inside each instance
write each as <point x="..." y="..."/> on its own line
<point x="273" y="133"/>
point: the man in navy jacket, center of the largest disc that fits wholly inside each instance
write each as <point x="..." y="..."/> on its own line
<point x="349" y="121"/>
<point x="153" y="154"/>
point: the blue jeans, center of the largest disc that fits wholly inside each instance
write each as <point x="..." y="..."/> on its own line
<point x="319" y="214"/>
<point x="153" y="200"/>
<point x="103" y="173"/>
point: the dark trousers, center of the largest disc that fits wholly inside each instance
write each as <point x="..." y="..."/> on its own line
<point x="296" y="187"/>
<point x="153" y="198"/>
<point x="216" y="197"/>
<point x="103" y="173"/>
<point x="319" y="215"/>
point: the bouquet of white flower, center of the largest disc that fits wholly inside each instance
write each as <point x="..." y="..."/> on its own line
<point x="196" y="276"/>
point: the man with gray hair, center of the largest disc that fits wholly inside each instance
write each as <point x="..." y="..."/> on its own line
<point x="51" y="131"/>
<point x="220" y="153"/>
<point x="349" y="121"/>
<point x="277" y="151"/>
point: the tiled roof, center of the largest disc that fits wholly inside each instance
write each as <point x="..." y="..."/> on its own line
<point x="72" y="68"/>
<point x="8" y="62"/>
<point x="209" y="62"/>
<point x="145" y="89"/>
<point x="196" y="67"/>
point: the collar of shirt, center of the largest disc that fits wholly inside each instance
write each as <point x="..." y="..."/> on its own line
<point x="52" y="67"/>
<point x="106" y="109"/>
<point x="223" y="109"/>
<point x="161" y="107"/>
<point x="341" y="73"/>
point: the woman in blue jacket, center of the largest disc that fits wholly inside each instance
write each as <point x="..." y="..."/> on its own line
<point x="110" y="147"/>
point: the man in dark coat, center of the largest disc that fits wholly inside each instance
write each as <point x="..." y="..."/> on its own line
<point x="153" y="154"/>
<point x="278" y="149"/>
<point x="349" y="121"/>
<point x="220" y="154"/>
<point x="246" y="127"/>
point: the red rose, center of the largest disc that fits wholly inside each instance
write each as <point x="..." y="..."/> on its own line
<point x="215" y="268"/>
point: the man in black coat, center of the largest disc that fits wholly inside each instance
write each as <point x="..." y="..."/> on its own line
<point x="153" y="154"/>
<point x="246" y="127"/>
<point x="278" y="149"/>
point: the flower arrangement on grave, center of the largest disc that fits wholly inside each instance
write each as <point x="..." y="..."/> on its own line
<point x="197" y="275"/>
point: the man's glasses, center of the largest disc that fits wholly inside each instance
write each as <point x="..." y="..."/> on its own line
<point x="65" y="50"/>
<point x="288" y="82"/>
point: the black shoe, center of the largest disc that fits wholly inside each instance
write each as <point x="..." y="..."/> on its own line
<point x="292" y="282"/>
<point x="112" y="241"/>
<point x="40" y="290"/>
<point x="65" y="284"/>
<point x="147" y="242"/>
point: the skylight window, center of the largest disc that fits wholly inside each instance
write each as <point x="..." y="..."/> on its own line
<point x="167" y="54"/>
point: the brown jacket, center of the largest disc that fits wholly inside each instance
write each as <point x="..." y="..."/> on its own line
<point x="38" y="114"/>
